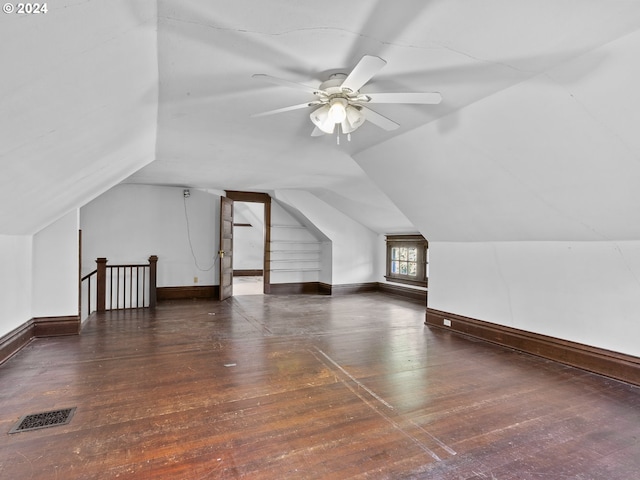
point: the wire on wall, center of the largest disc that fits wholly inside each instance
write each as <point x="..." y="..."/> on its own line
<point x="186" y="195"/>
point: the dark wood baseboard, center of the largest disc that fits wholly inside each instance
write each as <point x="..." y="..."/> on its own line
<point x="298" y="288"/>
<point x="597" y="360"/>
<point x="350" y="288"/>
<point x="186" y="293"/>
<point x="12" y="342"/>
<point x="305" y="288"/>
<point x="321" y="288"/>
<point x="247" y="273"/>
<point x="56" y="326"/>
<point x="405" y="292"/>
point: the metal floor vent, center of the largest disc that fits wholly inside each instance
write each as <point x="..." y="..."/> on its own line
<point x="36" y="421"/>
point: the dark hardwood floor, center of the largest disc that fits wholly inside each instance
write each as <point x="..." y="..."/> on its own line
<point x="306" y="387"/>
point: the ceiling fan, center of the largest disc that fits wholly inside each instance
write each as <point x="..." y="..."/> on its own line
<point x="340" y="102"/>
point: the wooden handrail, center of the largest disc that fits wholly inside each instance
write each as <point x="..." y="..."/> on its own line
<point x="128" y="265"/>
<point x="87" y="278"/>
<point x="88" y="275"/>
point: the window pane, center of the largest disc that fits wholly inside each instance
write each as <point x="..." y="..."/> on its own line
<point x="403" y="253"/>
<point x="413" y="269"/>
<point x="403" y="268"/>
<point x="394" y="267"/>
<point x="413" y="254"/>
<point x="394" y="253"/>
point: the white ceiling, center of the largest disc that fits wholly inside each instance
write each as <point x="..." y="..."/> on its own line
<point x="539" y="112"/>
<point x="78" y="106"/>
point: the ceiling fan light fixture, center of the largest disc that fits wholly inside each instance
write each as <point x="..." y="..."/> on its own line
<point x="321" y="119"/>
<point x="338" y="110"/>
<point x="355" y="117"/>
<point x="346" y="127"/>
<point x="352" y="121"/>
<point x="341" y="103"/>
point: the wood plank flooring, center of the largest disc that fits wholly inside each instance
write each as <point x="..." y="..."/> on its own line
<point x="306" y="387"/>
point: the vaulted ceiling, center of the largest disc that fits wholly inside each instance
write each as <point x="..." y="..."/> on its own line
<point x="535" y="138"/>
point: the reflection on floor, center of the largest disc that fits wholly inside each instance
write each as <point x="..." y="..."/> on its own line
<point x="290" y="387"/>
<point x="247" y="286"/>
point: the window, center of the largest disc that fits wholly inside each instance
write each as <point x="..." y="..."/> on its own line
<point x="407" y="259"/>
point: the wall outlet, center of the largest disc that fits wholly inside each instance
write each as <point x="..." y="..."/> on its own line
<point x="446" y="322"/>
<point x="195" y="279"/>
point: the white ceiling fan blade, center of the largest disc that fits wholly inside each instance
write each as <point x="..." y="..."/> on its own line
<point x="286" y="83"/>
<point x="432" y="98"/>
<point x="379" y="120"/>
<point x="317" y="132"/>
<point x="286" y="109"/>
<point x="366" y="68"/>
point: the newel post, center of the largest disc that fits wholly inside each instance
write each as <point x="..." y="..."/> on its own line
<point x="101" y="284"/>
<point x="153" y="275"/>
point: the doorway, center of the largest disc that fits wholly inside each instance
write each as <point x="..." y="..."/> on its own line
<point x="251" y="236"/>
<point x="248" y="248"/>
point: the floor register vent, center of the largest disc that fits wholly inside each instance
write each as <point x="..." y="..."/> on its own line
<point x="36" y="421"/>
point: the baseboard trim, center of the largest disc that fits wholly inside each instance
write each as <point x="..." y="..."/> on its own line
<point x="14" y="341"/>
<point x="321" y="288"/>
<point x="56" y="326"/>
<point x="188" y="293"/>
<point x="304" y="288"/>
<point x="18" y="338"/>
<point x="597" y="360"/>
<point x="247" y="273"/>
<point x="298" y="288"/>
<point x="405" y="292"/>
<point x="350" y="288"/>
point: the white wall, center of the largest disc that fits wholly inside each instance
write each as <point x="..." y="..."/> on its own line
<point x="15" y="281"/>
<point x="587" y="292"/>
<point x="39" y="277"/>
<point x="130" y="222"/>
<point x="248" y="241"/>
<point x="55" y="268"/>
<point x="530" y="225"/>
<point x="298" y="251"/>
<point x="353" y="246"/>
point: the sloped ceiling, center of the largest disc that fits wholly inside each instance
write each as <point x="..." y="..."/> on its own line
<point x="556" y="157"/>
<point x="534" y="138"/>
<point x="78" y="106"/>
